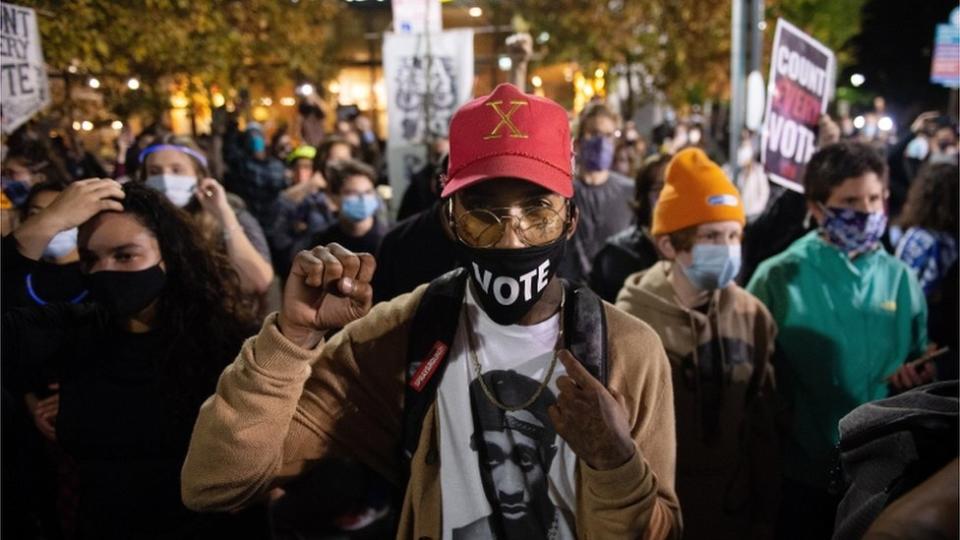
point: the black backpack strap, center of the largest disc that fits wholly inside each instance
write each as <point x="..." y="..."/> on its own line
<point x="586" y="330"/>
<point x="430" y="338"/>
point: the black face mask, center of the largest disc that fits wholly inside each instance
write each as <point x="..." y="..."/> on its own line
<point x="508" y="282"/>
<point x="125" y="294"/>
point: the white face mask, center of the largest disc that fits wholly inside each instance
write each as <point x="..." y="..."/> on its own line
<point x="178" y="188"/>
<point x="62" y="243"/>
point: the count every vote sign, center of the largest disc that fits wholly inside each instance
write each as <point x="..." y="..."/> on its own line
<point x="799" y="88"/>
<point x="23" y="75"/>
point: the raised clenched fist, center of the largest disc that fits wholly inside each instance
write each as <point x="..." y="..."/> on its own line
<point x="328" y="287"/>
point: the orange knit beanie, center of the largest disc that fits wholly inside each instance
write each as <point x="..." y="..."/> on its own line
<point x="695" y="191"/>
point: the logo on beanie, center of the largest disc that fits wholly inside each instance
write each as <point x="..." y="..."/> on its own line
<point x="505" y="120"/>
<point x="723" y="200"/>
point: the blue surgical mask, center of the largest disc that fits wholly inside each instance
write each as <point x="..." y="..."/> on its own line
<point x="596" y="153"/>
<point x="62" y="243"/>
<point x="178" y="188"/>
<point x="359" y="207"/>
<point x="714" y="266"/>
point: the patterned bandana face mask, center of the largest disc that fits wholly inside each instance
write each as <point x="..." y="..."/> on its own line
<point x="853" y="232"/>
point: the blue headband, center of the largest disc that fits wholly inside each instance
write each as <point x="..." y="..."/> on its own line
<point x="185" y="149"/>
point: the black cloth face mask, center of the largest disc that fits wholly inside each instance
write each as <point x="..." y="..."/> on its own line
<point x="125" y="294"/>
<point x="508" y="282"/>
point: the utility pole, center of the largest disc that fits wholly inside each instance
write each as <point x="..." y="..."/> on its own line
<point x="746" y="28"/>
<point x="738" y="80"/>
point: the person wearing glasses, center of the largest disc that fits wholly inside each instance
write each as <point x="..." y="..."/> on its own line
<point x="395" y="388"/>
<point x="720" y="340"/>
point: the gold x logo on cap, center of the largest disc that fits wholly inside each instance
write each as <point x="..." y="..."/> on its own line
<point x="505" y="120"/>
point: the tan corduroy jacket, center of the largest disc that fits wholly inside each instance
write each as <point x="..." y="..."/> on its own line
<point x="280" y="408"/>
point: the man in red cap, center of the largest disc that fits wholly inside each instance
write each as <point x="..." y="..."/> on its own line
<point x="500" y="400"/>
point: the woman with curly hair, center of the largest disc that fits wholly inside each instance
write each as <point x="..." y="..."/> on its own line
<point x="134" y="365"/>
<point x="930" y="248"/>
<point x="929" y="245"/>
<point x="176" y="167"/>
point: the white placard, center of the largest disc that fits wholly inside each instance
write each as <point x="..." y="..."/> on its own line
<point x="24" y="89"/>
<point x="428" y="77"/>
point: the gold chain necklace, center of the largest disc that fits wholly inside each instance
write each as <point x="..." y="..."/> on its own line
<point x="472" y="346"/>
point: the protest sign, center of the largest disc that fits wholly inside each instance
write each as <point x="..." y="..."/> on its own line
<point x="23" y="80"/>
<point x="798" y="90"/>
<point x="428" y="77"/>
<point x="945" y="68"/>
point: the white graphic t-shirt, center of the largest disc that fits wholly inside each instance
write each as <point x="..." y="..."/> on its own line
<point x="504" y="475"/>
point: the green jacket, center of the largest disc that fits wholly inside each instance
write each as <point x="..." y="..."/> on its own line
<point x="845" y="325"/>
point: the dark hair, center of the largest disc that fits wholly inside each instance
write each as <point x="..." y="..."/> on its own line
<point x="650" y="174"/>
<point x="933" y="201"/>
<point x="41" y="161"/>
<point x="48" y="185"/>
<point x="597" y="110"/>
<point x="339" y="172"/>
<point x="200" y="310"/>
<point x="323" y="152"/>
<point x="684" y="239"/>
<point x="306" y="108"/>
<point x="177" y="140"/>
<point x="833" y="164"/>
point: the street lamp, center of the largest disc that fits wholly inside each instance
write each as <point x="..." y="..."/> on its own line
<point x="94" y="82"/>
<point x="305" y="89"/>
<point x="133" y="83"/>
<point x="857" y="80"/>
<point x="859" y="122"/>
<point x="116" y="125"/>
<point x="475" y="11"/>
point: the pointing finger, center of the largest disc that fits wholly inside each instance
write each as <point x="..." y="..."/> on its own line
<point x="566" y="385"/>
<point x="576" y="371"/>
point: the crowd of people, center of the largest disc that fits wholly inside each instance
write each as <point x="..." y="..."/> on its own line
<point x="582" y="331"/>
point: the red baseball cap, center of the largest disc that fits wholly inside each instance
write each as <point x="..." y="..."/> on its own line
<point x="510" y="134"/>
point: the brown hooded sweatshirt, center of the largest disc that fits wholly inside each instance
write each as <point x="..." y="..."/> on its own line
<point x="720" y="356"/>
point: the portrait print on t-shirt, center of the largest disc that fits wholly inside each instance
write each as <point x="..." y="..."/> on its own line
<point x="515" y="451"/>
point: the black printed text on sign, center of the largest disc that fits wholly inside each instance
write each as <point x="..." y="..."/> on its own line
<point x="798" y="90"/>
<point x="23" y="74"/>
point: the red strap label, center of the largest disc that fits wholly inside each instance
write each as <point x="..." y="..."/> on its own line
<point x="428" y="366"/>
